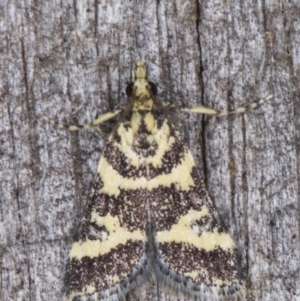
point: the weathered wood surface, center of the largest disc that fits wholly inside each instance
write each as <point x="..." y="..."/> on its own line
<point x="71" y="60"/>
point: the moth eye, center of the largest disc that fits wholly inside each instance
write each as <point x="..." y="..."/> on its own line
<point x="129" y="89"/>
<point x="153" y="88"/>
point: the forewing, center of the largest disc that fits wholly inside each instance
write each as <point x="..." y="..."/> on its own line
<point x="109" y="258"/>
<point x="195" y="254"/>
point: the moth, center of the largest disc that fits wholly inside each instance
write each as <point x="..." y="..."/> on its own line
<point x="149" y="216"/>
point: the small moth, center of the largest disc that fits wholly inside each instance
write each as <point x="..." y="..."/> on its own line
<point x="150" y="216"/>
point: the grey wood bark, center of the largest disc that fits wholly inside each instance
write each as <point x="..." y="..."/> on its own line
<point x="71" y="60"/>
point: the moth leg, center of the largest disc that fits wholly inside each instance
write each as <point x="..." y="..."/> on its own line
<point x="213" y="112"/>
<point x="94" y="124"/>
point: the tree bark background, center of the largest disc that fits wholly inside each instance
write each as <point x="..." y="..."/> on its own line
<point x="71" y="60"/>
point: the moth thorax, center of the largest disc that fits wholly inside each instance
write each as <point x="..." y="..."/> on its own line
<point x="142" y="88"/>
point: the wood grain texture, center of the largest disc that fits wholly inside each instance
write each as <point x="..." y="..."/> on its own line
<point x="72" y="60"/>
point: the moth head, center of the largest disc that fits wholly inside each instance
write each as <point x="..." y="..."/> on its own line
<point x="141" y="89"/>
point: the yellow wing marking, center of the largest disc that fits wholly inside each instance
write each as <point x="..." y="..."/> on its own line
<point x="182" y="232"/>
<point x="118" y="235"/>
<point x="150" y="123"/>
<point x="135" y="121"/>
<point x="113" y="181"/>
<point x="161" y="137"/>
